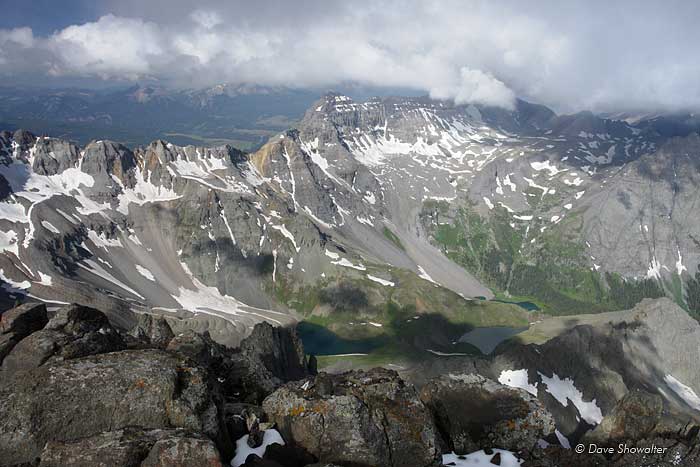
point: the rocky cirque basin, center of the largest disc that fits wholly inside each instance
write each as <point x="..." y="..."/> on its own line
<point x="97" y="394"/>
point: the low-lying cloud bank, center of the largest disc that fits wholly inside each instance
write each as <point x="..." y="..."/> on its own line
<point x="610" y="56"/>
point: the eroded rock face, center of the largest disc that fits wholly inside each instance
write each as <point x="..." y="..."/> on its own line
<point x="266" y="359"/>
<point x="357" y="418"/>
<point x="78" y="398"/>
<point x="473" y="413"/>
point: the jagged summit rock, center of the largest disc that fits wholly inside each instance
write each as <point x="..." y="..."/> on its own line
<point x="185" y="405"/>
<point x="357" y="418"/>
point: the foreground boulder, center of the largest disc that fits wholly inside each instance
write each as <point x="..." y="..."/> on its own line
<point x="190" y="451"/>
<point x="81" y="397"/>
<point x="74" y="390"/>
<point x="133" y="447"/>
<point x="357" y="418"/>
<point x="473" y="413"/>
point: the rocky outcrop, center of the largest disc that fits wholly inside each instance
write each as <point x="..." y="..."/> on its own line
<point x="89" y="394"/>
<point x="18" y="323"/>
<point x="76" y="391"/>
<point x="74" y="331"/>
<point x="266" y="359"/>
<point x="52" y="155"/>
<point x="357" y="418"/>
<point x="23" y="319"/>
<point x="473" y="413"/>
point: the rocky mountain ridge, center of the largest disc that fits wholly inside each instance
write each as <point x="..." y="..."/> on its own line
<point x="472" y="198"/>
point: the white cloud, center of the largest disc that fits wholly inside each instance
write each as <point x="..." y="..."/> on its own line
<point x="206" y="18"/>
<point x="21" y="37"/>
<point x="477" y="87"/>
<point x="12" y="39"/>
<point x="110" y="47"/>
<point x="567" y="56"/>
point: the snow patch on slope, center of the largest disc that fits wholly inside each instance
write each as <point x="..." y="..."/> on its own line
<point x="145" y="272"/>
<point x="684" y="392"/>
<point x="564" y="390"/>
<point x="517" y="379"/>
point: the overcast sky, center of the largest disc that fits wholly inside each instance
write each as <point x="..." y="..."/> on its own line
<point x="601" y="55"/>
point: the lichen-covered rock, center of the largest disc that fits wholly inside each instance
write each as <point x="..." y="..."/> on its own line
<point x="356" y="418"/>
<point x="133" y="447"/>
<point x="183" y="452"/>
<point x="32" y="351"/>
<point x="634" y="417"/>
<point x="473" y="412"/>
<point x="125" y="447"/>
<point x="81" y="397"/>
